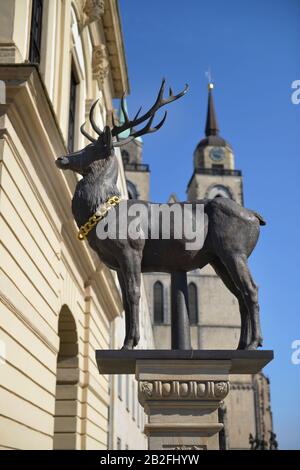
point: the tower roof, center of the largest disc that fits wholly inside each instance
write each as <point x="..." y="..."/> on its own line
<point x="211" y="128"/>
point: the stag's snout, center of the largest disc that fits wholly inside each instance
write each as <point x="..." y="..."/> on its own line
<point x="62" y="163"/>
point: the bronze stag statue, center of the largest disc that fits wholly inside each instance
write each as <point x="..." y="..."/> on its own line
<point x="230" y="230"/>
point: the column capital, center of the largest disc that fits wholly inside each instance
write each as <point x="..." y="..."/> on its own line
<point x="182" y="390"/>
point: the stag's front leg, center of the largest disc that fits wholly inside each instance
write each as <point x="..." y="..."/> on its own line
<point x="246" y="325"/>
<point x="131" y="270"/>
<point x="126" y="306"/>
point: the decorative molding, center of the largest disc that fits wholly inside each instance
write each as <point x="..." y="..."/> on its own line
<point x="9" y="53"/>
<point x="182" y="390"/>
<point x="93" y="10"/>
<point x="241" y="386"/>
<point x="210" y="429"/>
<point x="187" y="447"/>
<point x="100" y="63"/>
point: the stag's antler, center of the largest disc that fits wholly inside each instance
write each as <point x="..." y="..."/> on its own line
<point x="130" y="124"/>
<point x="84" y="132"/>
<point x="136" y="121"/>
<point x="94" y="125"/>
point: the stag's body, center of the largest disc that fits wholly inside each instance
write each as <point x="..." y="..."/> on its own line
<point x="231" y="231"/>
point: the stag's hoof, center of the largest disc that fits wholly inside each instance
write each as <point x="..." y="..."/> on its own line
<point x="136" y="340"/>
<point x="128" y="345"/>
<point x="253" y="345"/>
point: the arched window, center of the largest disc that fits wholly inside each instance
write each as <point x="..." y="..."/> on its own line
<point x="193" y="303"/>
<point x="132" y="191"/>
<point x="158" y="296"/>
<point x="218" y="190"/>
<point x="125" y="156"/>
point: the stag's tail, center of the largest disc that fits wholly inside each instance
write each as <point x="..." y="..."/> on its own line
<point x="260" y="218"/>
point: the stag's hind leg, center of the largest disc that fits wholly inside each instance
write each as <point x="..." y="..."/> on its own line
<point x="222" y="272"/>
<point x="237" y="266"/>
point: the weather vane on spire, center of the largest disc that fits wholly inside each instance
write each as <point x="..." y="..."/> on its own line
<point x="209" y="78"/>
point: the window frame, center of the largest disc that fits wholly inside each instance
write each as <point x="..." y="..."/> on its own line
<point x="161" y="320"/>
<point x="73" y="95"/>
<point x="36" y="27"/>
<point x="195" y="319"/>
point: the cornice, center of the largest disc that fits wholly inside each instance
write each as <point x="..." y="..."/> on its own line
<point x="115" y="48"/>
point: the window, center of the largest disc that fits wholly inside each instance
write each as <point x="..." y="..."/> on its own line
<point x="36" y="31"/>
<point x="193" y="303"/>
<point x="138" y="412"/>
<point x="142" y="420"/>
<point x="217" y="166"/>
<point x="218" y="190"/>
<point x="132" y="191"/>
<point x="120" y="387"/>
<point x="158" y="296"/>
<point x="125" y="156"/>
<point x="127" y="392"/>
<point x="72" y="111"/>
<point x="119" y="444"/>
<point x="133" y="401"/>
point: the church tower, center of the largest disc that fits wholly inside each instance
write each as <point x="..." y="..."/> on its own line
<point x="218" y="317"/>
<point x="214" y="168"/>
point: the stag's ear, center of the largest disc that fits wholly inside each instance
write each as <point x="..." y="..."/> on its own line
<point x="104" y="143"/>
<point x="107" y="139"/>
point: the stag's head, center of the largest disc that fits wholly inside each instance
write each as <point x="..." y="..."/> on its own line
<point x="102" y="147"/>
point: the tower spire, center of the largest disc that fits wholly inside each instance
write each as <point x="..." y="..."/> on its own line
<point x="211" y="127"/>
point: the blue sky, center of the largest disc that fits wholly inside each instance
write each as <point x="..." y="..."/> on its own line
<point x="253" y="50"/>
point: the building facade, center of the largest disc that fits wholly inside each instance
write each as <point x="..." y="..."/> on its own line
<point x="127" y="418"/>
<point x="58" y="302"/>
<point x="213" y="310"/>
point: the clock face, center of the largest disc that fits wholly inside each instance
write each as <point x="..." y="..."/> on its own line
<point x="217" y="154"/>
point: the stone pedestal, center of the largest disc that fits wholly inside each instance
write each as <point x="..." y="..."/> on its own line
<point x="182" y="399"/>
<point x="181" y="391"/>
